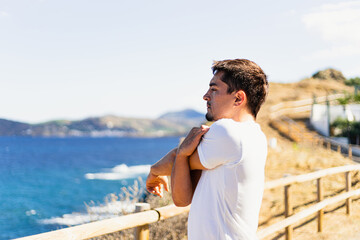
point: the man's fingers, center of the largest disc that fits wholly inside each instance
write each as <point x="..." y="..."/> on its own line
<point x="166" y="187"/>
<point x="150" y="189"/>
<point x="205" y="128"/>
<point x="165" y="183"/>
<point x="194" y="133"/>
<point x="158" y="190"/>
<point x="199" y="132"/>
<point x="155" y="184"/>
<point x="155" y="192"/>
<point x="192" y="140"/>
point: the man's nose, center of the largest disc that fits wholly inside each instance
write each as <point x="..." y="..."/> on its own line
<point x="206" y="96"/>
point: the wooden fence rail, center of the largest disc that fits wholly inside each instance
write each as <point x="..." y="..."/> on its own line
<point x="99" y="228"/>
<point x="291" y="218"/>
<point x="276" y="227"/>
<point x="304" y="105"/>
<point x="142" y="219"/>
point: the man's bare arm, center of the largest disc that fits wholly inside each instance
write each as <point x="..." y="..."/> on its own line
<point x="157" y="179"/>
<point x="164" y="166"/>
<point x="181" y="179"/>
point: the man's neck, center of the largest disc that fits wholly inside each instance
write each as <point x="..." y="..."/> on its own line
<point x="243" y="118"/>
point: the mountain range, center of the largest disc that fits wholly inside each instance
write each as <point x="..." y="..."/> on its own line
<point x="168" y="124"/>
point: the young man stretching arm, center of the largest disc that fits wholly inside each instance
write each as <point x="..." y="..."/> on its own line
<point x="231" y="154"/>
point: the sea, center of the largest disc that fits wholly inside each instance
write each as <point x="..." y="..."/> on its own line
<point x="52" y="183"/>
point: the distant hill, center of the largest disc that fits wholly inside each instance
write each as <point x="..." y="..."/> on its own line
<point x="187" y="116"/>
<point x="169" y="124"/>
<point x="13" y="128"/>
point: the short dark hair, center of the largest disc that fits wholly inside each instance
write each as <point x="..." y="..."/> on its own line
<point x="243" y="74"/>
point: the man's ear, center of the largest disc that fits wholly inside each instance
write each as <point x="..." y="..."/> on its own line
<point x="240" y="98"/>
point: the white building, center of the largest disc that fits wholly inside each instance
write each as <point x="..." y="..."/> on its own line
<point x="323" y="115"/>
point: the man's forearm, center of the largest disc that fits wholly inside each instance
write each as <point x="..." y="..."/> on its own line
<point x="181" y="182"/>
<point x="164" y="166"/>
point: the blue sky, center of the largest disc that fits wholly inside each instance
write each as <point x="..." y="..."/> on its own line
<point x="80" y="58"/>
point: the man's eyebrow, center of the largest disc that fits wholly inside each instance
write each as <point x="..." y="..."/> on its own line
<point x="212" y="84"/>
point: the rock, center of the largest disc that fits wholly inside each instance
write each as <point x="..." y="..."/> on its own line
<point x="330" y="74"/>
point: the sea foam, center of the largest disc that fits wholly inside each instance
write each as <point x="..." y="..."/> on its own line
<point x="94" y="213"/>
<point x="120" y="172"/>
<point x="110" y="209"/>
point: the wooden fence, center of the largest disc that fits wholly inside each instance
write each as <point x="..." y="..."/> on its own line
<point x="141" y="220"/>
<point x="317" y="208"/>
<point x="300" y="106"/>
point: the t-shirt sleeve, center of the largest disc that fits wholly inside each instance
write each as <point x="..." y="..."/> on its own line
<point x="219" y="146"/>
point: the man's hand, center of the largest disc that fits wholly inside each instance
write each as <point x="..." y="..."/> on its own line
<point x="192" y="140"/>
<point x="155" y="184"/>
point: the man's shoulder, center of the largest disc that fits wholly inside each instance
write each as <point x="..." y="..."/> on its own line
<point x="230" y="124"/>
<point x="221" y="127"/>
<point x="224" y="130"/>
<point x="235" y="130"/>
<point x="224" y="123"/>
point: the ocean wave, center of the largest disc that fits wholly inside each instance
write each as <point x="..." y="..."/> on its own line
<point x="69" y="219"/>
<point x="120" y="172"/>
<point x="94" y="213"/>
<point x="31" y="212"/>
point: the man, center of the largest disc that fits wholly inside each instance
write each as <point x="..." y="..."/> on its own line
<point x="220" y="170"/>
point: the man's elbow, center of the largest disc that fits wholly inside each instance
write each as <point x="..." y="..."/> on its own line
<point x="181" y="202"/>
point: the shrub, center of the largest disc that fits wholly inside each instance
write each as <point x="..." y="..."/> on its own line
<point x="353" y="81"/>
<point x="347" y="129"/>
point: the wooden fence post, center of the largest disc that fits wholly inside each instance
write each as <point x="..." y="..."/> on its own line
<point x="348" y="188"/>
<point x="329" y="145"/>
<point x="339" y="148"/>
<point x="289" y="130"/>
<point x="320" y="197"/>
<point x="142" y="232"/>
<point x="319" y="140"/>
<point x="288" y="211"/>
<point x="349" y="151"/>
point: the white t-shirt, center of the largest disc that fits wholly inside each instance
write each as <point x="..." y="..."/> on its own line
<point x="227" y="199"/>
